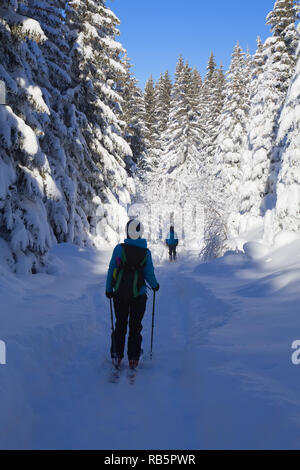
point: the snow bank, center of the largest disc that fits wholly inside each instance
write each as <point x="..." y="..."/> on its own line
<point x="285" y="238"/>
<point x="255" y="250"/>
<point x="47" y="318"/>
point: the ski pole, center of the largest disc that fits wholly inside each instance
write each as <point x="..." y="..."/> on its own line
<point x="152" y="324"/>
<point x="112" y="326"/>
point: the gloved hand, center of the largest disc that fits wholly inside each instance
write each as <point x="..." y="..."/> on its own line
<point x="156" y="288"/>
<point x="109" y="295"/>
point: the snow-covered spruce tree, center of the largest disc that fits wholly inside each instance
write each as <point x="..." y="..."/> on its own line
<point x="195" y="94"/>
<point x="157" y="100"/>
<point x="196" y="87"/>
<point x="196" y="100"/>
<point x="207" y="97"/>
<point x="68" y="199"/>
<point x="210" y="71"/>
<point x="232" y="128"/>
<point x="273" y="67"/>
<point x="220" y="89"/>
<point x="152" y="158"/>
<point x="183" y="137"/>
<point x="150" y="110"/>
<point x="95" y="73"/>
<point x="72" y="203"/>
<point x="25" y="234"/>
<point x="258" y="63"/>
<point x="133" y="113"/>
<point x="248" y="188"/>
<point x="287" y="210"/>
<point x="163" y="102"/>
<point x="282" y="20"/>
<point x="212" y="100"/>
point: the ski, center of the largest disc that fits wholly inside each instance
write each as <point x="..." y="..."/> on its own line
<point x="131" y="374"/>
<point x="115" y="373"/>
<point x="133" y="367"/>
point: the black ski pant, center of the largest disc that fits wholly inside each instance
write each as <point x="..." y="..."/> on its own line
<point x="172" y="251"/>
<point x="132" y="310"/>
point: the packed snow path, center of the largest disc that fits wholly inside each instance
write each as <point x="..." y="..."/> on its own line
<point x="221" y="374"/>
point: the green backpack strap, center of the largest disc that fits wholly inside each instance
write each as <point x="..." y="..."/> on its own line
<point x="136" y="277"/>
<point x="121" y="270"/>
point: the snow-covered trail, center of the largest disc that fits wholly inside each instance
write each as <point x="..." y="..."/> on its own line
<point x="221" y="375"/>
<point x="85" y="410"/>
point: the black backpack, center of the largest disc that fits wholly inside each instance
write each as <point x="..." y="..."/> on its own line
<point x="128" y="278"/>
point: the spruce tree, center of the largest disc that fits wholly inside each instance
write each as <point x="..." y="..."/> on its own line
<point x="182" y="138"/>
<point x="197" y="87"/>
<point x="133" y="113"/>
<point x="152" y="142"/>
<point x="163" y="102"/>
<point x="150" y="113"/>
<point x="211" y="67"/>
<point x="288" y="141"/>
<point x="66" y="206"/>
<point x="282" y="20"/>
<point x="212" y="104"/>
<point x="207" y="94"/>
<point x="95" y="73"/>
<point x="24" y="168"/>
<point x="232" y="128"/>
<point x="62" y="154"/>
<point x="273" y="67"/>
<point x="259" y="60"/>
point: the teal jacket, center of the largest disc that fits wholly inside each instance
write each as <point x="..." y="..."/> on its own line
<point x="148" y="269"/>
<point x="172" y="239"/>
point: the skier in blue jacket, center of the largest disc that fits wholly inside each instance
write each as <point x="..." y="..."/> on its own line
<point x="131" y="264"/>
<point x="172" y="242"/>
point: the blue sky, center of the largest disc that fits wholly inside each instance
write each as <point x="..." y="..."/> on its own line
<point x="155" y="32"/>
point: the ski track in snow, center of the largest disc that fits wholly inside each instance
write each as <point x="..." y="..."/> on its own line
<point x="220" y="376"/>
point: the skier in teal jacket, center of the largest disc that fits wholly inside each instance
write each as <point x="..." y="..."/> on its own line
<point x="172" y="242"/>
<point x="130" y="266"/>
